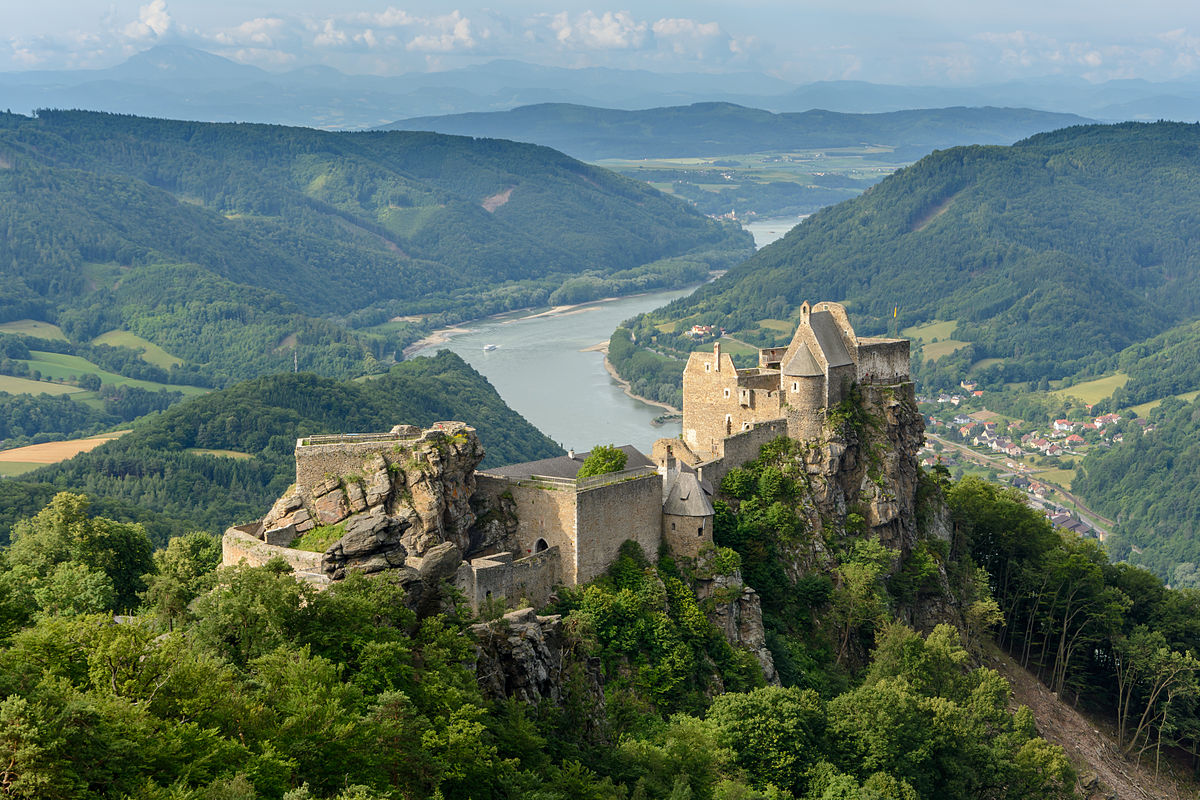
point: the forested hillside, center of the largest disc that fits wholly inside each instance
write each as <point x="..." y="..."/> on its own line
<point x="223" y="458"/>
<point x="237" y="246"/>
<point x="719" y="129"/>
<point x="1052" y="255"/>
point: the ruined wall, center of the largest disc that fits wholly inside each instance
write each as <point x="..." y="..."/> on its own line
<point x="838" y="384"/>
<point x="321" y="457"/>
<point x="609" y="514"/>
<point x="883" y="361"/>
<point x="686" y="536"/>
<point x="741" y="448"/>
<point x="240" y="546"/>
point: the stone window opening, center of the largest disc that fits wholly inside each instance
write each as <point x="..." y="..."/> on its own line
<point x="700" y="531"/>
<point x="672" y="526"/>
<point x="726" y="394"/>
<point x="795" y="386"/>
<point x="708" y="367"/>
<point x="540" y="545"/>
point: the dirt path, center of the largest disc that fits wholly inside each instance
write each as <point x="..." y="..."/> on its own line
<point x="1088" y="748"/>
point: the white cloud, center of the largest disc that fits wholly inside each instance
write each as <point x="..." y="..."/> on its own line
<point x="153" y="21"/>
<point x="449" y="33"/>
<point x="608" y="31"/>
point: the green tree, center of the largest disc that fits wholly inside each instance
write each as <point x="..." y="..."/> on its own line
<point x="603" y="459"/>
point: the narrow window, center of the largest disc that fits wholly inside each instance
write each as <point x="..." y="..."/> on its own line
<point x="700" y="531"/>
<point x="795" y="386"/>
<point x="727" y="394"/>
<point x="672" y="526"/>
<point x="708" y="367"/>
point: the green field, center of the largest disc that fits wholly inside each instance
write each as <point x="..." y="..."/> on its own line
<point x="220" y="453"/>
<point x="779" y="325"/>
<point x="1145" y="408"/>
<point x="151" y="353"/>
<point x="1059" y="477"/>
<point x="926" y="333"/>
<point x="938" y="329"/>
<point x="31" y="327"/>
<point x="26" y="386"/>
<point x="1094" y="391"/>
<point x="984" y="363"/>
<point x="61" y="365"/>
<point x="733" y="347"/>
<point x="11" y="469"/>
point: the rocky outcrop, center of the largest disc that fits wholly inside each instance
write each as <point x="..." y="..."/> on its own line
<point x="526" y="657"/>
<point x="736" y="610"/>
<point x="401" y="501"/>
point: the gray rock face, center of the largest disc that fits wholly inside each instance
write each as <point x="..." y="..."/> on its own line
<point x="737" y="613"/>
<point x="524" y="656"/>
<point x="372" y="542"/>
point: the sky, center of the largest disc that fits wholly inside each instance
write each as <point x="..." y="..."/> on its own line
<point x="915" y="42"/>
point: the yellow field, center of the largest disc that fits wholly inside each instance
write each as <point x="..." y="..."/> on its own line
<point x="1094" y="391"/>
<point x="54" y="452"/>
<point x="1145" y="408"/>
<point x="151" y="353"/>
<point x="31" y="327"/>
<point x="26" y="386"/>
<point x="221" y="453"/>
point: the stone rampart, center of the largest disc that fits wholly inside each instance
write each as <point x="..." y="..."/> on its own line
<point x="608" y="514"/>
<point x="322" y="457"/>
<point x="739" y="449"/>
<point x="240" y="545"/>
<point x="501" y="577"/>
<point x="883" y="361"/>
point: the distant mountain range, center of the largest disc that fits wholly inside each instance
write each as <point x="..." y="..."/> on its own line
<point x="714" y="129"/>
<point x="181" y="82"/>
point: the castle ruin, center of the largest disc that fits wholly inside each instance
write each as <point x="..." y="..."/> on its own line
<point x="411" y="495"/>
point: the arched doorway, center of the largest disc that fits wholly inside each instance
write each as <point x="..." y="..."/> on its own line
<point x="540" y="545"/>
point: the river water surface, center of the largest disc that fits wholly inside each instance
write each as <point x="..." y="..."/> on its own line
<point x="541" y="367"/>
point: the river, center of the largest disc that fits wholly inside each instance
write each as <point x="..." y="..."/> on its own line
<point x="543" y="370"/>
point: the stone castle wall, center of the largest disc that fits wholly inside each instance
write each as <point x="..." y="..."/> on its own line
<point x="609" y="514"/>
<point x="240" y="545"/>
<point x="319" y="458"/>
<point x="883" y="361"/>
<point x="740" y="448"/>
<point x="529" y="580"/>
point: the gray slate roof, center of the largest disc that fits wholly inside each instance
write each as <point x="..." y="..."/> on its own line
<point x="802" y="365"/>
<point x="828" y="335"/>
<point x="565" y="466"/>
<point x="686" y="497"/>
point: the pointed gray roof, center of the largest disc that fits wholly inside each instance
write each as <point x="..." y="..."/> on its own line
<point x="686" y="498"/>
<point x="802" y="365"/>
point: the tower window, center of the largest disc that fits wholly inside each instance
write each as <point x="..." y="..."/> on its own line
<point x="795" y="386"/>
<point x="726" y="394"/>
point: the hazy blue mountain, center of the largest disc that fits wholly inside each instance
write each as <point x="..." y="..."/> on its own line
<point x="710" y="129"/>
<point x="182" y="82"/>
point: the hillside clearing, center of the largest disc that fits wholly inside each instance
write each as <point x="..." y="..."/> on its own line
<point x="1093" y="392"/>
<point x="13" y="385"/>
<point x="151" y="353"/>
<point x="203" y="451"/>
<point x="1143" y="409"/>
<point x="61" y="365"/>
<point x="31" y="327"/>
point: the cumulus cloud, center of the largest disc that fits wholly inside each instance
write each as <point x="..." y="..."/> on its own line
<point x="448" y="33"/>
<point x="608" y="31"/>
<point x="153" y="21"/>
